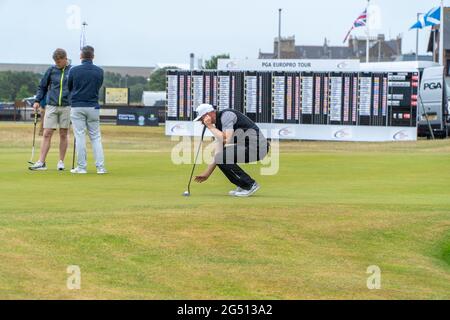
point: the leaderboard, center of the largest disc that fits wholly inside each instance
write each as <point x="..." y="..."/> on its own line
<point x="325" y="98"/>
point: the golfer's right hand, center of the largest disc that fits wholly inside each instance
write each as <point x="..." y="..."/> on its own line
<point x="201" y="178"/>
<point x="36" y="106"/>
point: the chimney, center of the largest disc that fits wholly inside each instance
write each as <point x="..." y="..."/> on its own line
<point x="276" y="43"/>
<point x="399" y="44"/>
<point x="192" y="61"/>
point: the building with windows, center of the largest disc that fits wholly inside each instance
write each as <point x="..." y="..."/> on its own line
<point x="380" y="49"/>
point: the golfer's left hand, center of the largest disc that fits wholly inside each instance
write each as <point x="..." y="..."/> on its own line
<point x="201" y="178"/>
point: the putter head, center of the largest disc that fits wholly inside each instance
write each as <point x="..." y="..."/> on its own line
<point x="32" y="163"/>
<point x="186" y="194"/>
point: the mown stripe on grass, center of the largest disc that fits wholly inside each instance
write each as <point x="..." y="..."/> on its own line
<point x="444" y="250"/>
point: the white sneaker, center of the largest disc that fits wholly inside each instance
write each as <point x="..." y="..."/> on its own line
<point x="38" y="166"/>
<point x="233" y="192"/>
<point x="60" y="166"/>
<point x="78" y="171"/>
<point x="101" y="171"/>
<point x="248" y="193"/>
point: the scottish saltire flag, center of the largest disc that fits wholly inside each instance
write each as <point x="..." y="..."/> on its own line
<point x="361" y="21"/>
<point x="431" y="18"/>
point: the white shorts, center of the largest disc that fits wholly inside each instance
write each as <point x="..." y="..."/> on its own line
<point x="57" y="117"/>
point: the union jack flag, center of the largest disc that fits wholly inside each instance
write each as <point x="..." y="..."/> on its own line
<point x="361" y="21"/>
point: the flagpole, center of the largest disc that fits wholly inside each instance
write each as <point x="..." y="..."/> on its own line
<point x="441" y="36"/>
<point x="83" y="35"/>
<point x="417" y="39"/>
<point x="368" y="34"/>
<point x="434" y="45"/>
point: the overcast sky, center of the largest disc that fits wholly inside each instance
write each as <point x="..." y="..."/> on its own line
<point x="143" y="33"/>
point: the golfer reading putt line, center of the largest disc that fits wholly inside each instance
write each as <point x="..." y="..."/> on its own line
<point x="238" y="140"/>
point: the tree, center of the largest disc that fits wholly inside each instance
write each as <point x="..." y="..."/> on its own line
<point x="23" y="93"/>
<point x="136" y="91"/>
<point x="18" y="85"/>
<point x="212" y="63"/>
<point x="158" y="79"/>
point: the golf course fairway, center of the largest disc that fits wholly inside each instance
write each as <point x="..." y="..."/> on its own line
<point x="311" y="232"/>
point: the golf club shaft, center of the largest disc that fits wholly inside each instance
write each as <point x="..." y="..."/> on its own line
<point x="34" y="136"/>
<point x="196" y="158"/>
<point x="73" y="154"/>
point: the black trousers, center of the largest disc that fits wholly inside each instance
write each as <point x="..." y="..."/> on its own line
<point x="231" y="155"/>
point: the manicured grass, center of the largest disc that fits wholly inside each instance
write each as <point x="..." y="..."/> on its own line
<point x="332" y="210"/>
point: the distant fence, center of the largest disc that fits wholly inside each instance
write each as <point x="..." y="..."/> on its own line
<point x="108" y="114"/>
<point x="9" y="112"/>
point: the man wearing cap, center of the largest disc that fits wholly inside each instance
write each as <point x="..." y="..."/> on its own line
<point x="239" y="140"/>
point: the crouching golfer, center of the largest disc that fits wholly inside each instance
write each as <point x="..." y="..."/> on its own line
<point x="84" y="84"/>
<point x="239" y="140"/>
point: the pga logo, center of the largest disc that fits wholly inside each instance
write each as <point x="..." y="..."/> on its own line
<point x="432" y="86"/>
<point x="401" y="136"/>
<point x="343" y="134"/>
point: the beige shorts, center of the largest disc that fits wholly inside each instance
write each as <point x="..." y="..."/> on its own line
<point x="57" y="117"/>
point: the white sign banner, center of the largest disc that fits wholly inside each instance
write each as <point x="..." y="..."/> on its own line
<point x="315" y="65"/>
<point x="308" y="132"/>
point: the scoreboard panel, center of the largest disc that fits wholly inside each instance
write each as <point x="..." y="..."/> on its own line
<point x="347" y="99"/>
<point x="402" y="98"/>
<point x="251" y="95"/>
<point x="336" y="98"/>
<point x="264" y="97"/>
<point x="327" y="99"/>
<point x="210" y="87"/>
<point x="278" y="97"/>
<point x="292" y="97"/>
<point x="223" y="90"/>
<point x="198" y="90"/>
<point x="237" y="91"/>
<point x="179" y="89"/>
<point x="365" y="99"/>
<point x="172" y="95"/>
<point x="307" y="98"/>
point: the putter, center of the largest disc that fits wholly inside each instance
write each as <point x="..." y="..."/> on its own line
<point x="188" y="192"/>
<point x="34" y="138"/>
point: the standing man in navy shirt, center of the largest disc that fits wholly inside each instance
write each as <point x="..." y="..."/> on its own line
<point x="84" y="85"/>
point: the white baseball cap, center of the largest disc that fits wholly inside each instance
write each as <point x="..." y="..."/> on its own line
<point x="202" y="110"/>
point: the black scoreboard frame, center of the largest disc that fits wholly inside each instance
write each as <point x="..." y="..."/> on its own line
<point x="376" y="99"/>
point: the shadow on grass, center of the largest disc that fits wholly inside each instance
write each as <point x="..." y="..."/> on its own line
<point x="444" y="250"/>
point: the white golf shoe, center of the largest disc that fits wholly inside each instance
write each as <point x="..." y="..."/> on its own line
<point x="248" y="193"/>
<point x="60" y="166"/>
<point x="233" y="192"/>
<point x="101" y="171"/>
<point x="38" y="166"/>
<point x="78" y="171"/>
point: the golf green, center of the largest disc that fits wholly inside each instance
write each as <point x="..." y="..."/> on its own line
<point x="311" y="232"/>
